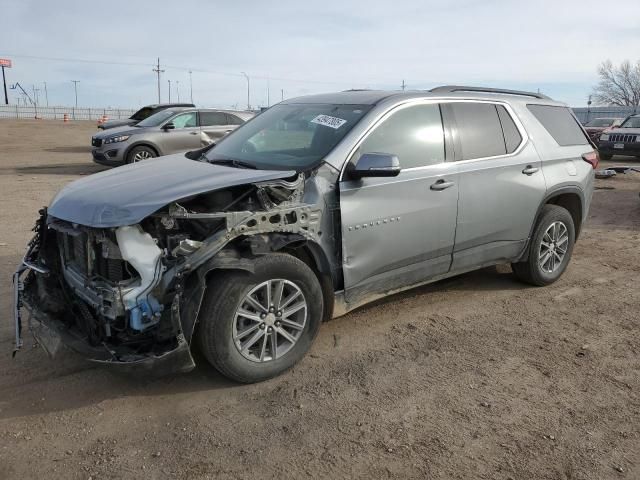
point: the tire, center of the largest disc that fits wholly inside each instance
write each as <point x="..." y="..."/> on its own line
<point x="140" y="153"/>
<point x="605" y="156"/>
<point x="220" y="319"/>
<point x="531" y="271"/>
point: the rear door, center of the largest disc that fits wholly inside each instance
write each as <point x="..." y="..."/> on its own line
<point x="214" y="125"/>
<point x="184" y="136"/>
<point x="501" y="183"/>
<point x="399" y="231"/>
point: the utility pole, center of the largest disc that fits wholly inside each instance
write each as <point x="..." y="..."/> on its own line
<point x="282" y="94"/>
<point x="35" y="94"/>
<point x="268" y="94"/>
<point x="158" y="71"/>
<point x="46" y="94"/>
<point x="404" y="85"/>
<point x="75" y="87"/>
<point x="248" y="90"/>
<point x="169" y="90"/>
<point x="178" y="89"/>
<point x="4" y="83"/>
<point x="190" y="86"/>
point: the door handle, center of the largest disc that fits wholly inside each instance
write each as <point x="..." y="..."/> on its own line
<point x="530" y="170"/>
<point x="441" y="185"/>
<point x="194" y="133"/>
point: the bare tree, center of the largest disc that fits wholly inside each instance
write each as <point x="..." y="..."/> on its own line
<point x="618" y="85"/>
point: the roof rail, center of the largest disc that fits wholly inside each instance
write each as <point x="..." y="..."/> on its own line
<point x="458" y="88"/>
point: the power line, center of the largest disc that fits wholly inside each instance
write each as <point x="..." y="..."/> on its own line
<point x="178" y="67"/>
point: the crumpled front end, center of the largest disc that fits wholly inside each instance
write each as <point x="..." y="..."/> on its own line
<point x="130" y="295"/>
<point x="98" y="292"/>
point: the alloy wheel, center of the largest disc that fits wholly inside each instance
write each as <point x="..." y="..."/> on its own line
<point x="269" y="320"/>
<point x="553" y="247"/>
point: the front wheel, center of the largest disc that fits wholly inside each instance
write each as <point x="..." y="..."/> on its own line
<point x="137" y="154"/>
<point x="550" y="249"/>
<point x="255" y="325"/>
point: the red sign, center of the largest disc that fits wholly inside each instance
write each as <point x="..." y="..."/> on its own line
<point x="5" y="62"/>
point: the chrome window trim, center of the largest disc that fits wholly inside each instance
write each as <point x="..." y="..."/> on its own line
<point x="440" y="100"/>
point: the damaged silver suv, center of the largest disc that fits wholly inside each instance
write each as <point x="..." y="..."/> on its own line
<point x="314" y="207"/>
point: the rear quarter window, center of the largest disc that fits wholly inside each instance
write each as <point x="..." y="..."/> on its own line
<point x="560" y="124"/>
<point x="512" y="137"/>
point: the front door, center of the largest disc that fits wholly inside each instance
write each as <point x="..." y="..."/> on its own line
<point x="183" y="137"/>
<point x="400" y="231"/>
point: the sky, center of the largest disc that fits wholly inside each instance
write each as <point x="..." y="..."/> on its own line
<point x="292" y="48"/>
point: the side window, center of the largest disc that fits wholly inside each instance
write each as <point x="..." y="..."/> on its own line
<point x="185" y="120"/>
<point x="479" y="130"/>
<point x="560" y="123"/>
<point x="512" y="137"/>
<point x="208" y="119"/>
<point x="233" y="120"/>
<point x="414" y="134"/>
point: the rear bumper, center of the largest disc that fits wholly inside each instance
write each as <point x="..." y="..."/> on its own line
<point x="608" y="148"/>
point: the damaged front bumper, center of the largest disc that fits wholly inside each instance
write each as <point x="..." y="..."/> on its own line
<point x="52" y="335"/>
<point x="52" y="332"/>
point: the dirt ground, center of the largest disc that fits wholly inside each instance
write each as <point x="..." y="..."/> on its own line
<point x="474" y="377"/>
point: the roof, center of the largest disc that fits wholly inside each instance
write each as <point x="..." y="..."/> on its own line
<point x="180" y="104"/>
<point x="372" y="97"/>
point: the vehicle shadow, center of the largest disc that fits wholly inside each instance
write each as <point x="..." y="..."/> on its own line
<point x="61" y="169"/>
<point x="46" y="390"/>
<point x="70" y="149"/>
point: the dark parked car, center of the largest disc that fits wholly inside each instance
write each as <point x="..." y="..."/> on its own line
<point x="141" y="114"/>
<point x="597" y="126"/>
<point x="624" y="140"/>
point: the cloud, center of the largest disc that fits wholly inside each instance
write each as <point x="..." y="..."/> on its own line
<point x="312" y="46"/>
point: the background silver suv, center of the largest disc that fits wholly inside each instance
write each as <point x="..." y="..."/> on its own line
<point x="168" y="131"/>
<point x="316" y="206"/>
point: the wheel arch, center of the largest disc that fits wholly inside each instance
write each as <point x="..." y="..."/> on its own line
<point x="570" y="198"/>
<point x="142" y="143"/>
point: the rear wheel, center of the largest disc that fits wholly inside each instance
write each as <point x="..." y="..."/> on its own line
<point x="550" y="249"/>
<point x="137" y="154"/>
<point x="254" y="326"/>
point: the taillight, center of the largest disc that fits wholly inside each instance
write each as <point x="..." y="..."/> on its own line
<point x="593" y="158"/>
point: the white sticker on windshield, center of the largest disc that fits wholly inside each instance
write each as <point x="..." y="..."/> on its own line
<point x="327" y="121"/>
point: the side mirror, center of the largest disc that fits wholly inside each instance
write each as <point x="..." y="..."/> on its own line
<point x="376" y="165"/>
<point x="168" y="126"/>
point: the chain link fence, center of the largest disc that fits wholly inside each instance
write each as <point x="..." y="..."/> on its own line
<point x="586" y="114"/>
<point x="58" y="113"/>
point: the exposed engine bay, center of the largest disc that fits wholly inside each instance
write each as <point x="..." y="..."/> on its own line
<point x="132" y="293"/>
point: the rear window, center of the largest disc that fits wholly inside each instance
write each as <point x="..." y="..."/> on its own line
<point x="560" y="123"/>
<point x="479" y="130"/>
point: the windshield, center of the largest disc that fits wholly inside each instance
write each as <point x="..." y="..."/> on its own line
<point x="600" y="122"/>
<point x="141" y="114"/>
<point x="631" y="122"/>
<point x="156" y="119"/>
<point x="289" y="136"/>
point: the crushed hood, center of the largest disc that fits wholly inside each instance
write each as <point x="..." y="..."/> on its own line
<point x="127" y="194"/>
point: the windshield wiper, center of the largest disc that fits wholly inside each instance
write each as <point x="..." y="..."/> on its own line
<point x="230" y="162"/>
